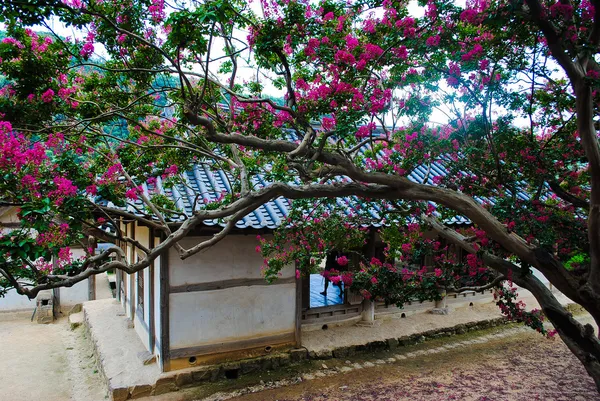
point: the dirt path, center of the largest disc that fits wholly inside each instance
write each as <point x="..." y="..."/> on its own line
<point x="46" y="362"/>
<point x="520" y="367"/>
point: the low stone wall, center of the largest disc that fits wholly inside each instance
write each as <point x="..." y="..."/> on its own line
<point x="393" y="343"/>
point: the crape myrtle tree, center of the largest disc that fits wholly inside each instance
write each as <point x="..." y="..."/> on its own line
<point x="95" y="122"/>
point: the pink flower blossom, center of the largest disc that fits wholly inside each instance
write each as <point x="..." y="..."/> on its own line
<point x="14" y="42"/>
<point x="328" y="123"/>
<point x="342" y="261"/>
<point x="92" y="190"/>
<point x="433" y="40"/>
<point x="171" y="170"/>
<point x="48" y="96"/>
<point x="132" y="194"/>
<point x="87" y="49"/>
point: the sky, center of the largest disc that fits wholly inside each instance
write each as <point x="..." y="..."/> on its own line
<point x="246" y="72"/>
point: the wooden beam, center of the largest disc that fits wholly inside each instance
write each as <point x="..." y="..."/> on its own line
<point x="223" y="284"/>
<point x="229" y="346"/>
<point x="298" y="326"/>
<point x="92" y="287"/>
<point x="165" y="342"/>
<point x="132" y="298"/>
<point x="151" y="324"/>
<point x="10" y="225"/>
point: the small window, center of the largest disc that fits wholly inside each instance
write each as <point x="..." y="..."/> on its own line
<point x="140" y="285"/>
<point x="140" y="290"/>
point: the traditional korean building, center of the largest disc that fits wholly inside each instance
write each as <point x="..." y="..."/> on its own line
<point x="215" y="306"/>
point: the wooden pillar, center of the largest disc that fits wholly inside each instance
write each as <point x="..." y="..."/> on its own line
<point x="299" y="305"/>
<point x="132" y="298"/>
<point x="164" y="312"/>
<point x="151" y="328"/>
<point x="92" y="287"/>
<point x="118" y="273"/>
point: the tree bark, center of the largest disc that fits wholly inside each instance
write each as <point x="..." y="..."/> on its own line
<point x="580" y="339"/>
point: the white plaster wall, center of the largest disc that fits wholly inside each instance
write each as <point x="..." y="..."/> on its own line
<point x="141" y="331"/>
<point x="13" y="302"/>
<point x="237" y="313"/>
<point x="142" y="234"/>
<point x="205" y="317"/>
<point x="70" y="296"/>
<point x="79" y="292"/>
<point x="231" y="258"/>
<point x="129" y="297"/>
<point x="74" y="295"/>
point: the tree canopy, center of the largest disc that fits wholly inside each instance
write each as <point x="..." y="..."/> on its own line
<point x="503" y="94"/>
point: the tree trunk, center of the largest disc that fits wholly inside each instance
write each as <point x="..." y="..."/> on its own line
<point x="578" y="337"/>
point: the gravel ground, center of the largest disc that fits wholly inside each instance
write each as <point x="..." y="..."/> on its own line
<point x="522" y="366"/>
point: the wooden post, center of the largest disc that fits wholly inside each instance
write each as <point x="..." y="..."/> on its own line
<point x="164" y="312"/>
<point x="132" y="297"/>
<point x="151" y="328"/>
<point x="92" y="287"/>
<point x="298" y="332"/>
<point x="118" y="273"/>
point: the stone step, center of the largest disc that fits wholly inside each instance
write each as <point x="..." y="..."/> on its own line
<point x="75" y="320"/>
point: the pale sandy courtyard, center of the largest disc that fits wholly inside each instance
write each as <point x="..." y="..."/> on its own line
<point x="46" y="362"/>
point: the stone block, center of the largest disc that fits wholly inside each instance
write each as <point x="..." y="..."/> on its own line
<point x="140" y="390"/>
<point x="201" y="375"/>
<point x="320" y="354"/>
<point x="75" y="320"/>
<point x="268" y="363"/>
<point x="230" y="370"/>
<point x="184" y="379"/>
<point x="377" y="345"/>
<point x="216" y="374"/>
<point x="165" y="385"/>
<point x="440" y="311"/>
<point x="76" y="309"/>
<point x="405" y="341"/>
<point x="284" y="360"/>
<point x="45" y="307"/>
<point x="249" y="366"/>
<point x="119" y="394"/>
<point x="298" y="354"/>
<point x="343" y="352"/>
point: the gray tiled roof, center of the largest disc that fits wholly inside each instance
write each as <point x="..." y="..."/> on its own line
<point x="205" y="185"/>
